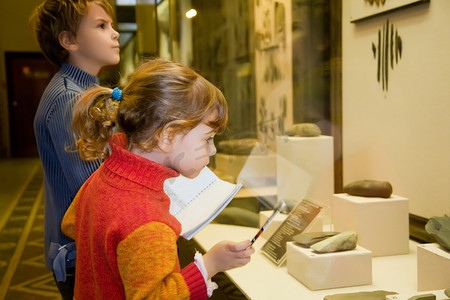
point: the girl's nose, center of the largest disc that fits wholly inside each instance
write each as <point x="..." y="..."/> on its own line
<point x="212" y="150"/>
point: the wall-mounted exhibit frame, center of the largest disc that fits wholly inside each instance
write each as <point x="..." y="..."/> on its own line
<point x="364" y="9"/>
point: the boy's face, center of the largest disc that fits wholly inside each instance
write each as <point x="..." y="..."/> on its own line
<point x="97" y="42"/>
<point x="190" y="153"/>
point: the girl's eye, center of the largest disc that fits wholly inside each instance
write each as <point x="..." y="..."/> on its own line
<point x="210" y="140"/>
<point x="102" y="26"/>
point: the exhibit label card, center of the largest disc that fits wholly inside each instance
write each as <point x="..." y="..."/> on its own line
<point x="296" y="222"/>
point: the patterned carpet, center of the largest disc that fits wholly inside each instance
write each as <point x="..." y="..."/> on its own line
<point x="22" y="270"/>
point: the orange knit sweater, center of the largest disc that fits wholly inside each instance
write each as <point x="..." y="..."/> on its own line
<point x="125" y="235"/>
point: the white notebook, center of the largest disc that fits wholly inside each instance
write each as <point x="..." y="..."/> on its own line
<point x="196" y="202"/>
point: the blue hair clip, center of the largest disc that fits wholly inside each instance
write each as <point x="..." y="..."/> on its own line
<point x="117" y="94"/>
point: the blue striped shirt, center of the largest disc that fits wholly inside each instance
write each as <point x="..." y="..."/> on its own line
<point x="64" y="171"/>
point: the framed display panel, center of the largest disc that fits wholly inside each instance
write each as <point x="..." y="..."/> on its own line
<point x="299" y="219"/>
<point x="363" y="9"/>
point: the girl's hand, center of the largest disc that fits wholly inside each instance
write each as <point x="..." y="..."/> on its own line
<point x="227" y="255"/>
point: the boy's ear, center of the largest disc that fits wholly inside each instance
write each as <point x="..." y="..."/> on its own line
<point x="68" y="41"/>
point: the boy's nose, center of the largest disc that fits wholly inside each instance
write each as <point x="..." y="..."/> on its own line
<point x="115" y="34"/>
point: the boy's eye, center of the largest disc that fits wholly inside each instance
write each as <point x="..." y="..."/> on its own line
<point x="210" y="140"/>
<point x="102" y="26"/>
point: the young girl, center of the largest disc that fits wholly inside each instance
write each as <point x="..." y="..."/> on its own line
<point x="167" y="116"/>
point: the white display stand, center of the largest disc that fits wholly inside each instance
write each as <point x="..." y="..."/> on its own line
<point x="258" y="176"/>
<point x="433" y="267"/>
<point x="382" y="224"/>
<point x="260" y="279"/>
<point x="319" y="271"/>
<point x="305" y="169"/>
<point x="259" y="171"/>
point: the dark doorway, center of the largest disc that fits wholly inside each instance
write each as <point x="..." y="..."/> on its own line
<point x="28" y="74"/>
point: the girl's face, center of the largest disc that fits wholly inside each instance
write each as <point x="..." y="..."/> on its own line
<point x="190" y="152"/>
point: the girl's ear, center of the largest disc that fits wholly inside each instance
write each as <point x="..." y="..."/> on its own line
<point x="165" y="139"/>
<point x="68" y="41"/>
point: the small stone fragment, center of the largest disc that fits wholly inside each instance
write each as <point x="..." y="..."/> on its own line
<point x="447" y="292"/>
<point x="439" y="228"/>
<point x="304" y="130"/>
<point x="423" y="297"/>
<point x="369" y="188"/>
<point x="373" y="295"/>
<point x="343" y="241"/>
<point x="307" y="239"/>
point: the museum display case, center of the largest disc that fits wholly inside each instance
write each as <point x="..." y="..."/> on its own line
<point x="343" y="104"/>
<point x="322" y="94"/>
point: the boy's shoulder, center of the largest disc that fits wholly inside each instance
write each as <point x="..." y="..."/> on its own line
<point x="67" y="84"/>
<point x="61" y="85"/>
<point x="70" y="80"/>
<point x="71" y="86"/>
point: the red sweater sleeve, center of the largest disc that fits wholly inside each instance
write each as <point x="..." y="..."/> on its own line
<point x="148" y="265"/>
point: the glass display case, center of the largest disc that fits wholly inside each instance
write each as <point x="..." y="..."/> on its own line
<point x="277" y="63"/>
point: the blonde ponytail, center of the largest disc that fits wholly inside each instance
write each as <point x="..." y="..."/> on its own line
<point x="93" y="123"/>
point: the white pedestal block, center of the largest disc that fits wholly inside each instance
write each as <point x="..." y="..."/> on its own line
<point x="433" y="267"/>
<point x="329" y="270"/>
<point x="382" y="224"/>
<point x="305" y="169"/>
<point x="260" y="170"/>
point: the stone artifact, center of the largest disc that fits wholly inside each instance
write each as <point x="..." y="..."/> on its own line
<point x="343" y="241"/>
<point x="447" y="292"/>
<point x="307" y="239"/>
<point x="369" y="188"/>
<point x="423" y="297"/>
<point x="374" y="295"/>
<point x="439" y="228"/>
<point x="237" y="146"/>
<point x="304" y="130"/>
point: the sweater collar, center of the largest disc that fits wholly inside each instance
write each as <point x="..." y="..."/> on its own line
<point x="84" y="79"/>
<point x="124" y="164"/>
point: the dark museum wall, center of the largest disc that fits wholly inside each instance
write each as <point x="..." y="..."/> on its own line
<point x="15" y="36"/>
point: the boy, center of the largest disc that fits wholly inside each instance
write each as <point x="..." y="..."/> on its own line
<point x="78" y="36"/>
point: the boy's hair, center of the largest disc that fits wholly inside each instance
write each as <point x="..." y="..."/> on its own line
<point x="160" y="94"/>
<point x="52" y="17"/>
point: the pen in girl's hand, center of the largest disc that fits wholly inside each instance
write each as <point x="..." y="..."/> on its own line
<point x="276" y="211"/>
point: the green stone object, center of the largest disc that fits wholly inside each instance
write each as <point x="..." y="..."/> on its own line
<point x="343" y="241"/>
<point x="374" y="295"/>
<point x="237" y="146"/>
<point x="447" y="292"/>
<point x="423" y="297"/>
<point x="304" y="130"/>
<point x="369" y="188"/>
<point x="307" y="239"/>
<point x="439" y="228"/>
